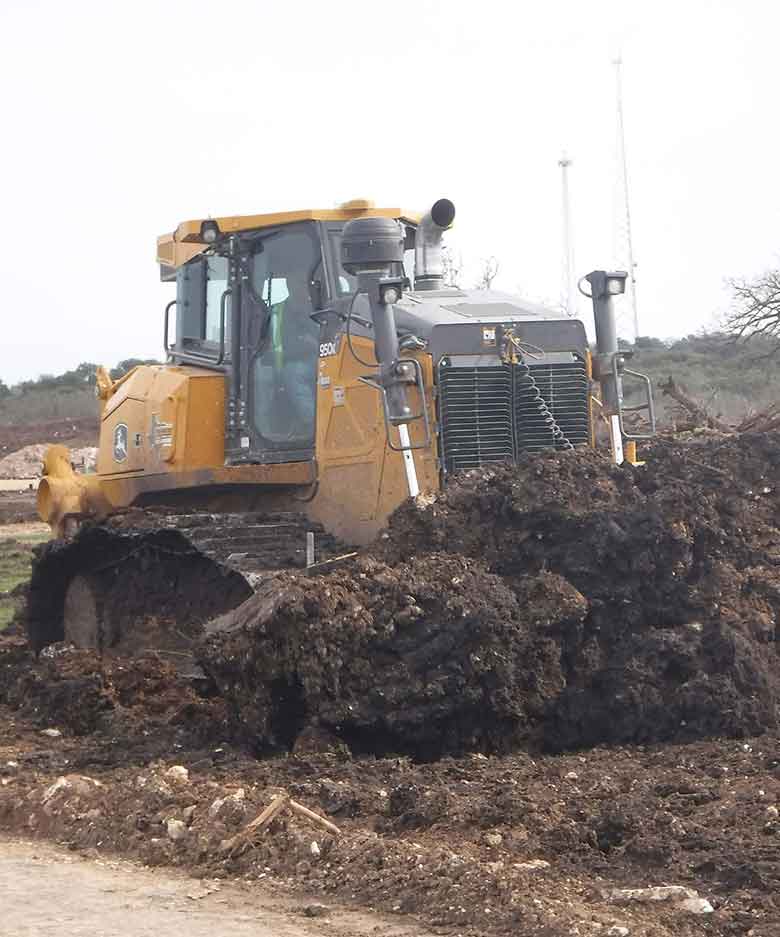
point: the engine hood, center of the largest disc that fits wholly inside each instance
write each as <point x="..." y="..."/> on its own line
<point x="454" y="321"/>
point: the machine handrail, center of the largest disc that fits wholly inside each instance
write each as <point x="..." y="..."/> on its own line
<point x="168" y="308"/>
<point x="195" y="355"/>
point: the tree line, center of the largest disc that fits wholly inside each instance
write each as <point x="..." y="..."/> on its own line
<point x="80" y="378"/>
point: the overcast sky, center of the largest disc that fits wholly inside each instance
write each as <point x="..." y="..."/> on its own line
<point x="121" y="120"/>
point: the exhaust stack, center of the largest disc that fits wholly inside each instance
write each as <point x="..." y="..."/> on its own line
<point x="372" y="249"/>
<point x="609" y="365"/>
<point x="428" y="266"/>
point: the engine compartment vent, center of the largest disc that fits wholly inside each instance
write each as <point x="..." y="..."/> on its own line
<point x="487" y="412"/>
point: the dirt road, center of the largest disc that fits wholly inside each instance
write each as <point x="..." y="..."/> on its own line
<point x="47" y="891"/>
<point x="17" y="484"/>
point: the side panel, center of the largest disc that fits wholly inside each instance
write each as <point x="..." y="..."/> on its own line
<point x="163" y="420"/>
<point x="361" y="479"/>
<point x="122" y="447"/>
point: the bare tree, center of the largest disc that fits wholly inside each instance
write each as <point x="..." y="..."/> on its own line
<point x="488" y="273"/>
<point x="453" y="267"/>
<point x="755" y="306"/>
<point x="698" y="412"/>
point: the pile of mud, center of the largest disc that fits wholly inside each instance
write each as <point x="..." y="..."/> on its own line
<point x="562" y="602"/>
<point x="144" y="700"/>
<point x="429" y="657"/>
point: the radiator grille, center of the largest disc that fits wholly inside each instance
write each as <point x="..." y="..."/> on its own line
<point x="488" y="414"/>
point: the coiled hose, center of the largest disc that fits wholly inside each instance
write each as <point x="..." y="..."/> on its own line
<point x="541" y="404"/>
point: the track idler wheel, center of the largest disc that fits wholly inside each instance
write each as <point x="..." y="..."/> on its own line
<point x="83" y="614"/>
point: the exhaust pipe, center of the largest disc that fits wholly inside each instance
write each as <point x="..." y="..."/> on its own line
<point x="428" y="266"/>
<point x="609" y="365"/>
<point x="603" y="289"/>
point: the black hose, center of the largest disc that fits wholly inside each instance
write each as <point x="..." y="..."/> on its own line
<point x="355" y="355"/>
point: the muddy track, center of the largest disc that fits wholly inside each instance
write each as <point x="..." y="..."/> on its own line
<point x="178" y="570"/>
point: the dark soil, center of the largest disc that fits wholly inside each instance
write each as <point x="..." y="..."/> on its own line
<point x="149" y="702"/>
<point x="479" y="845"/>
<point x="18" y="507"/>
<point x="560" y="603"/>
<point x="430" y="657"/>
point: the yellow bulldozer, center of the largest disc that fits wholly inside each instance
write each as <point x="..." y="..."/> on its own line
<point x="318" y="372"/>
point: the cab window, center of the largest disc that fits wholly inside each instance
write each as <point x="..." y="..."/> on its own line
<point x="286" y="272"/>
<point x="216" y="284"/>
<point x="190" y="302"/>
<point x="200" y="286"/>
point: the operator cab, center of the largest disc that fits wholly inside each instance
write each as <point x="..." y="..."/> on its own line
<point x="245" y="306"/>
<point x="248" y="293"/>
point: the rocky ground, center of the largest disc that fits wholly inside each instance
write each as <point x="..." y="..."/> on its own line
<point x="53" y="890"/>
<point x="27" y="462"/>
<point x="515" y="844"/>
<point x="544" y="702"/>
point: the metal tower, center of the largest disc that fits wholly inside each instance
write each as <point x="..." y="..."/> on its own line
<point x="623" y="245"/>
<point x="568" y="270"/>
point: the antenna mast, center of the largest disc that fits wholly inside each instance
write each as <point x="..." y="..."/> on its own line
<point x="569" y="271"/>
<point x="624" y="248"/>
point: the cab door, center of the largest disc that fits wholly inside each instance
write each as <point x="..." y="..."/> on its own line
<point x="285" y="269"/>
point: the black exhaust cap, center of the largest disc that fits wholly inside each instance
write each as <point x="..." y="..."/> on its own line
<point x="443" y="213"/>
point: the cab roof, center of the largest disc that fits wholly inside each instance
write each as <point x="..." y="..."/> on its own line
<point x="185" y="242"/>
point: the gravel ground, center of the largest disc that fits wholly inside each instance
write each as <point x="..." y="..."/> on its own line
<point x="49" y="891"/>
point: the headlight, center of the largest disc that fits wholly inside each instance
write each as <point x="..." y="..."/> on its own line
<point x="616" y="283"/>
<point x="209" y="231"/>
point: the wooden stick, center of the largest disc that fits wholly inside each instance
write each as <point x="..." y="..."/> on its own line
<point x="314" y="817"/>
<point x="325" y="566"/>
<point x="259" y="823"/>
<point x="263" y="820"/>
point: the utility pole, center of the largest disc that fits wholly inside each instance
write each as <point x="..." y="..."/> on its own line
<point x="624" y="248"/>
<point x="569" y="270"/>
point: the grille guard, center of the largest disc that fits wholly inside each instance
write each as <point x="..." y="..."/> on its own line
<point x="485" y="413"/>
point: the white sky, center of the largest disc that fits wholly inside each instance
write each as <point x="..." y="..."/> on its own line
<point x="120" y="120"/>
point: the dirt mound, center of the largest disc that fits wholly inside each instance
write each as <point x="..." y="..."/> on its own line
<point x="562" y="601"/>
<point x="728" y="486"/>
<point x="28" y="461"/>
<point x="24" y="463"/>
<point x="428" y="657"/>
<point x="77" y="432"/>
<point x="83" y="693"/>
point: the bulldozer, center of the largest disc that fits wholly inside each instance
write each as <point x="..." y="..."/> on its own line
<point x="319" y="371"/>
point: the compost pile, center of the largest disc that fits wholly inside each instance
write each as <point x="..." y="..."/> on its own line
<point x="145" y="701"/>
<point x="559" y="603"/>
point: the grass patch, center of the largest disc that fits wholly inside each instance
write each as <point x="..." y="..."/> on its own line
<point x="15" y="559"/>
